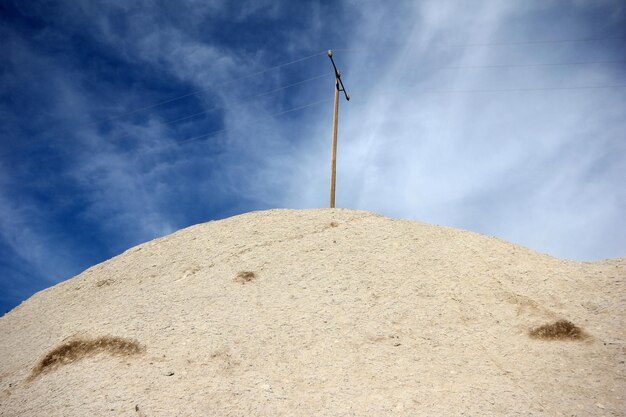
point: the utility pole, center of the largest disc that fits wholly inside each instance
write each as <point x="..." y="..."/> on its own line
<point x="333" y="167"/>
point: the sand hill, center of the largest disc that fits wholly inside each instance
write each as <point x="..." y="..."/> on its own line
<point x="321" y="313"/>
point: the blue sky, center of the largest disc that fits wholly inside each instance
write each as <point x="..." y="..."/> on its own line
<point x="124" y="121"/>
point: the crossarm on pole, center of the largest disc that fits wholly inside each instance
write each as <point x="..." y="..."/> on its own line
<point x="338" y="76"/>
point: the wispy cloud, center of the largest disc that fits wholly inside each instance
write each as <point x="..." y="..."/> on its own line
<point x="456" y="118"/>
<point x="485" y="148"/>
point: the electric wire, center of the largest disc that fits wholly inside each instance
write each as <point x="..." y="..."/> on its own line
<point x="224" y="130"/>
<point x="521" y="89"/>
<point x="499" y="90"/>
<point x="180" y="97"/>
<point x="186" y="117"/>
<point x="196" y="92"/>
<point x="190" y="116"/>
<point x="546" y="41"/>
<point x="531" y="42"/>
<point x="190" y="94"/>
<point x="170" y="100"/>
<point x="550" y="64"/>
<point x="280" y="113"/>
<point x="179" y="142"/>
<point x="250" y="97"/>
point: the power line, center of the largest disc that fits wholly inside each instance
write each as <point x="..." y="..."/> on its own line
<point x="170" y="122"/>
<point x="293" y="109"/>
<point x="321" y="101"/>
<point x="497" y="90"/>
<point x="571" y="40"/>
<point x="252" y="122"/>
<point x="192" y="93"/>
<point x="426" y="91"/>
<point x="548" y="64"/>
<point x="250" y="97"/>
<point x="196" y="92"/>
<point x="173" y="99"/>
<point x="533" y="65"/>
<point x="531" y="42"/>
<point x="211" y="133"/>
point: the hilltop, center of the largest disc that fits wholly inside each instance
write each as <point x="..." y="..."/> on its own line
<point x="321" y="313"/>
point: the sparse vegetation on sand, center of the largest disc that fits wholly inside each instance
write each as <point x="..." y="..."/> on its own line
<point x="559" y="330"/>
<point x="245" y="276"/>
<point x="80" y="348"/>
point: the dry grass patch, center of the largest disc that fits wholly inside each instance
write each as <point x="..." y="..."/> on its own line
<point x="559" y="330"/>
<point x="78" y="349"/>
<point x="245" y="276"/>
<point x="104" y="282"/>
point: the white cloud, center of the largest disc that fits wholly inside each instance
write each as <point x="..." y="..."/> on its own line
<point x="539" y="168"/>
<point x="527" y="166"/>
<point x="25" y="231"/>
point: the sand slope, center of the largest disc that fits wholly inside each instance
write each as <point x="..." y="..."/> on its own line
<point x="342" y="313"/>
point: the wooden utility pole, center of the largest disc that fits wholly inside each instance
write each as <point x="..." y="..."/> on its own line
<point x="333" y="162"/>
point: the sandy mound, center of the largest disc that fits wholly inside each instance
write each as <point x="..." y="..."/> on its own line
<point x="321" y="313"/>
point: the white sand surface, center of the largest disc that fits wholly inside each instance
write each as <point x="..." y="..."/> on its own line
<point x="342" y="313"/>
